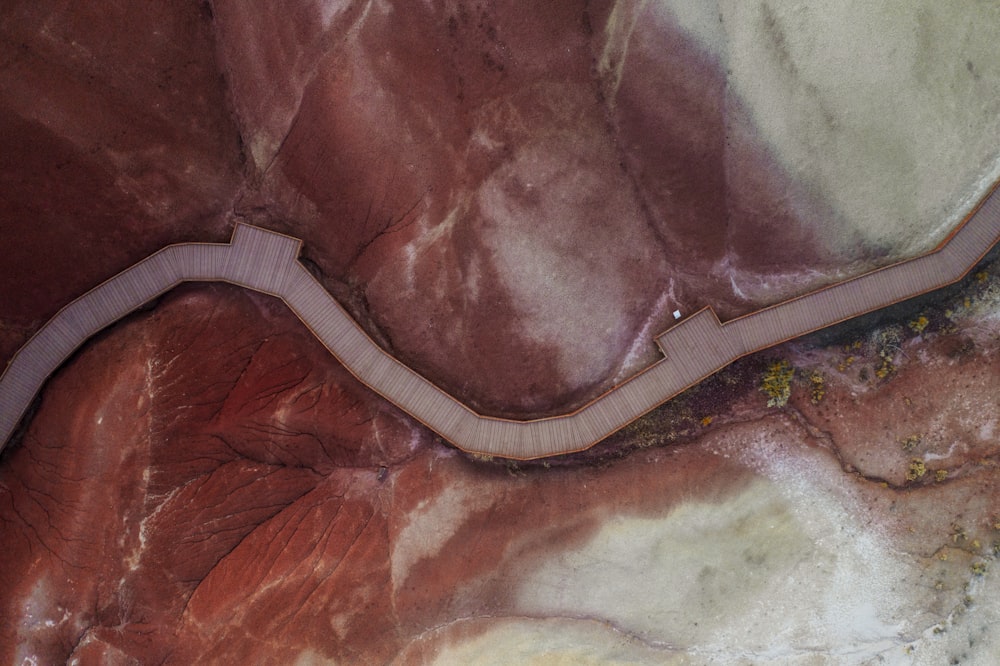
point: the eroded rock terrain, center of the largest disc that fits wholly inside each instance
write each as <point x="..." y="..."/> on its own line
<point x="512" y="199"/>
<point x="283" y="512"/>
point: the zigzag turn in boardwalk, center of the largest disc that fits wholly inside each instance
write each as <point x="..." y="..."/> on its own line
<point x="697" y="347"/>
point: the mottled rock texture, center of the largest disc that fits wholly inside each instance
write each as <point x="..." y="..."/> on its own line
<point x="115" y="139"/>
<point x="205" y="483"/>
<point x="512" y="197"/>
<point x="240" y="431"/>
<point x="518" y="196"/>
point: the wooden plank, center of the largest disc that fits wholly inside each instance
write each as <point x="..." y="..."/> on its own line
<point x="695" y="348"/>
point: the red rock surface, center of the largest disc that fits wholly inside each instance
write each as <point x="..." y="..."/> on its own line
<point x="115" y="139"/>
<point x="111" y="535"/>
<point x="513" y="199"/>
<point x="513" y="203"/>
<point x="205" y="483"/>
<point x="508" y="214"/>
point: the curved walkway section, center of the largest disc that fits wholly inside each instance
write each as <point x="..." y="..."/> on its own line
<point x="694" y="349"/>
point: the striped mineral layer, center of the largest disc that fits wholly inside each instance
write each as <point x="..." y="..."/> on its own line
<point x="512" y="198"/>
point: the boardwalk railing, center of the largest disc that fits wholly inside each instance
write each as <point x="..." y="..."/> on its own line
<point x="694" y="349"/>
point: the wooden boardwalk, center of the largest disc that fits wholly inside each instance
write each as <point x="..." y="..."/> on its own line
<point x="694" y="349"/>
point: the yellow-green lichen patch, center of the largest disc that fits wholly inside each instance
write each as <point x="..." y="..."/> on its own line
<point x="777" y="383"/>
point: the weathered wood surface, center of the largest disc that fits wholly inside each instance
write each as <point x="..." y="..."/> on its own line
<point x="693" y="349"/>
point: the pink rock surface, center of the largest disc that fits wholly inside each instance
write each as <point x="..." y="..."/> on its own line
<point x="510" y="216"/>
<point x="222" y="490"/>
<point x="512" y="198"/>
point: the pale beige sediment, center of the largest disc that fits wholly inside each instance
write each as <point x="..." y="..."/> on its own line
<point x="694" y="349"/>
